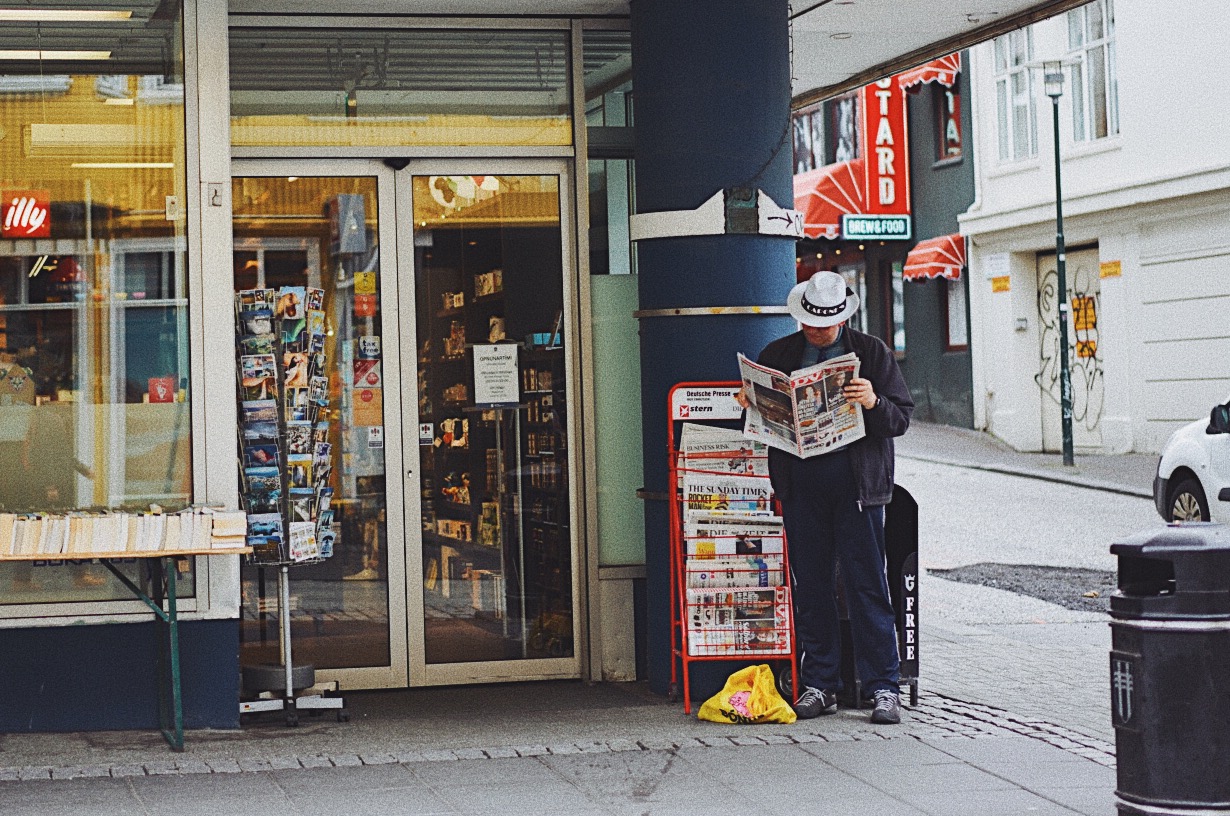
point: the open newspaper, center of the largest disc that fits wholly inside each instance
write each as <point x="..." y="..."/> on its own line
<point x="804" y="413"/>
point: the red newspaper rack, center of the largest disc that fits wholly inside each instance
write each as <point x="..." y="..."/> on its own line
<point x="730" y="576"/>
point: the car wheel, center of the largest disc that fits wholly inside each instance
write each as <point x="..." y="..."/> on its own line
<point x="1187" y="502"/>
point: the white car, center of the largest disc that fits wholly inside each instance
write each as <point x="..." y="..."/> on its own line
<point x="1193" y="475"/>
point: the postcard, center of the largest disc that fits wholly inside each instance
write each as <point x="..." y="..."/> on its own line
<point x="295" y="368"/>
<point x="257" y="299"/>
<point x="301" y="508"/>
<point x="258" y="365"/>
<point x="320" y="432"/>
<point x="265" y="524"/>
<point x="315" y="298"/>
<point x="264" y="477"/>
<point x="302" y="544"/>
<point x="258" y="344"/>
<point x="324" y="499"/>
<point x="316" y="322"/>
<point x="259" y="388"/>
<point x="294" y="337"/>
<point x="256" y="321"/>
<point x="296" y="404"/>
<point x="260" y="455"/>
<point x="299" y="471"/>
<point x="298" y="437"/>
<point x="318" y="391"/>
<point x="259" y="411"/>
<point x="260" y="431"/>
<point x="291" y="304"/>
<point x="325" y="538"/>
<point x="262" y="501"/>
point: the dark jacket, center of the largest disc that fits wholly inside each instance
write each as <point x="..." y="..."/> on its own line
<point x="871" y="458"/>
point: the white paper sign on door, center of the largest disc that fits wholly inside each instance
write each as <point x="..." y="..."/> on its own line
<point x="495" y="375"/>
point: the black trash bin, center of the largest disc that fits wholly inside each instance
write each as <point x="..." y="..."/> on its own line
<point x="1170" y="671"/>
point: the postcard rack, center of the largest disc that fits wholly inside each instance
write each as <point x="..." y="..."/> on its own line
<point x="730" y="592"/>
<point x="286" y="449"/>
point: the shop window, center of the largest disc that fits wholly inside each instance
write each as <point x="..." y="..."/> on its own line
<point x="844" y="127"/>
<point x="957" y="336"/>
<point x="896" y="308"/>
<point x="947" y="121"/>
<point x="808" y="128"/>
<point x="1095" y="85"/>
<point x="94" y="362"/>
<point x="856" y="279"/>
<point x="390" y="87"/>
<point x="1014" y="96"/>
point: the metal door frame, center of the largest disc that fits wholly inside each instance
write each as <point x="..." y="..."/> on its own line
<point x="504" y="670"/>
<point x="395" y="675"/>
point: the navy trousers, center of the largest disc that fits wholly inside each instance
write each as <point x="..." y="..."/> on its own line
<point x="823" y="524"/>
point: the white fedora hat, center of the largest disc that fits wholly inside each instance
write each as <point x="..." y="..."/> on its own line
<point x="823" y="300"/>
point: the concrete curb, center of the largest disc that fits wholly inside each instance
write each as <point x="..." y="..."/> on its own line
<point x="936" y="717"/>
<point x="1029" y="473"/>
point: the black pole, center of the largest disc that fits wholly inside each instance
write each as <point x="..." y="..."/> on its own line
<point x="1065" y="376"/>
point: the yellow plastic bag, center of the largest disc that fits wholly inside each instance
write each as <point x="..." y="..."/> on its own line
<point x="749" y="696"/>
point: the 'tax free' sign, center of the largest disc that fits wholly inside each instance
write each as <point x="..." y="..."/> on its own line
<point x="25" y="214"/>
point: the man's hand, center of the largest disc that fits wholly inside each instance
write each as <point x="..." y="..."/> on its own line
<point x="742" y="399"/>
<point x="860" y="391"/>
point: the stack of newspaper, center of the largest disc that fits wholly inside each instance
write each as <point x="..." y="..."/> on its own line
<point x="736" y="594"/>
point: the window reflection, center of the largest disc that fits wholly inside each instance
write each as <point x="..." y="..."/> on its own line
<point x="93" y="302"/>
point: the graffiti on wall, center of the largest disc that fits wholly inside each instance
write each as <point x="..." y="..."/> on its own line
<point x="1084" y="355"/>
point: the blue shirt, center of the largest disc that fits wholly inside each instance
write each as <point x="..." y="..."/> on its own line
<point x="815" y="354"/>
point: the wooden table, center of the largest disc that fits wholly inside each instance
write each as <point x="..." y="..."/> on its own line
<point x="162" y="601"/>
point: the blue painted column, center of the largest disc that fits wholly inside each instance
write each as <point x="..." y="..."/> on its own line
<point x="712" y="101"/>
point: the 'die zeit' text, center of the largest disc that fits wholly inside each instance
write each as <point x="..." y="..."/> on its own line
<point x="886" y="152"/>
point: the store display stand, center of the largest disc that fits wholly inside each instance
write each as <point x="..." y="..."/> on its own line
<point x="294" y="677"/>
<point x="284" y="387"/>
<point x="714" y="401"/>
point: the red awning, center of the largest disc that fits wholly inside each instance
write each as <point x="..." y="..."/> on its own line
<point x="825" y="194"/>
<point x="943" y="70"/>
<point x="940" y="257"/>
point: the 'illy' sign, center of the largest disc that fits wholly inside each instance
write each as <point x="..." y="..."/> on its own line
<point x="25" y="214"/>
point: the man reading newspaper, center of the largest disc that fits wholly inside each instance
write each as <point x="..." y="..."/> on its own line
<point x="833" y="500"/>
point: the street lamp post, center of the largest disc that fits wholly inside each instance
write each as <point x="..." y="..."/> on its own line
<point x="1052" y="83"/>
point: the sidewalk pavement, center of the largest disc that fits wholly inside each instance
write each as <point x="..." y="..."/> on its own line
<point x="569" y="747"/>
<point x="1129" y="473"/>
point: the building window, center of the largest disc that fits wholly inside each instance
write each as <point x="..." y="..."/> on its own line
<point x="808" y="128"/>
<point x="856" y="280"/>
<point x="845" y="129"/>
<point x="947" y="121"/>
<point x="896" y="306"/>
<point x="1095" y="86"/>
<point x="957" y="338"/>
<point x="1014" y="96"/>
<point x="94" y="358"/>
<point x="356" y="87"/>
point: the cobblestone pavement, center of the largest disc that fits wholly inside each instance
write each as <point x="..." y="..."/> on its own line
<point x="1013" y="717"/>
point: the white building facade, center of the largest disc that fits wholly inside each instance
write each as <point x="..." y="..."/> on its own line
<point x="1146" y="204"/>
